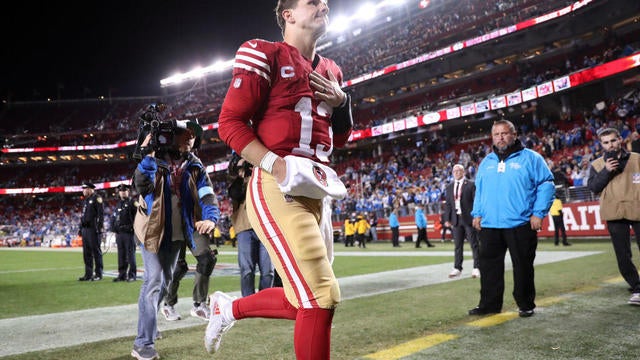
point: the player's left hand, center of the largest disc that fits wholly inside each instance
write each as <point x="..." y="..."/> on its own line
<point x="205" y="226"/>
<point x="327" y="90"/>
<point x="536" y="223"/>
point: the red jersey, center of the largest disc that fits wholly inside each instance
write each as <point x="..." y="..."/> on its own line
<point x="270" y="87"/>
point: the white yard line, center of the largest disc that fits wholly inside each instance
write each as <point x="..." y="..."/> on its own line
<point x="50" y="331"/>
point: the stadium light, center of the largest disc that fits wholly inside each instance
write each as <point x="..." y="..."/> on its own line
<point x="341" y="23"/>
<point x="391" y="2"/>
<point x="366" y="12"/>
<point x="218" y="66"/>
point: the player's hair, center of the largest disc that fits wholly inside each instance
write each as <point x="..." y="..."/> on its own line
<point x="282" y="6"/>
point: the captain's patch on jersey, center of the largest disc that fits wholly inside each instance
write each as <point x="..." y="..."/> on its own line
<point x="237" y="82"/>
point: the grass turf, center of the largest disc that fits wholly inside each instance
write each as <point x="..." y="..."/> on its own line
<point x="587" y="324"/>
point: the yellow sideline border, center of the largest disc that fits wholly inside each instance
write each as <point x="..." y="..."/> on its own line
<point x="414" y="346"/>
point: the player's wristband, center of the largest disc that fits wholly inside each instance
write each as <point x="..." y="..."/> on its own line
<point x="267" y="161"/>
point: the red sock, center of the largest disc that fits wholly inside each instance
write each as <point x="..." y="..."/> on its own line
<point x="312" y="334"/>
<point x="267" y="303"/>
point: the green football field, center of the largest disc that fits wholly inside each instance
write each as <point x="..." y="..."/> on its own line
<point x="582" y="309"/>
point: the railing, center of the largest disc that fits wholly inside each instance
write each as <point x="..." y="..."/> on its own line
<point x="569" y="194"/>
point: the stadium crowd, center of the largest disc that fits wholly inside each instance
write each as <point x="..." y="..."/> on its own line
<point x="403" y="175"/>
<point x="408" y="174"/>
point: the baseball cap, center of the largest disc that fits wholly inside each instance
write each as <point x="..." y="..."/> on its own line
<point x="88" y="185"/>
<point x="123" y="187"/>
<point x="194" y="126"/>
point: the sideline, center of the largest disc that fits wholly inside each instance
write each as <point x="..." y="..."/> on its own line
<point x="42" y="332"/>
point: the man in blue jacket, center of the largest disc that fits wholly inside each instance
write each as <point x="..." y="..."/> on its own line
<point x="514" y="191"/>
<point x="177" y="205"/>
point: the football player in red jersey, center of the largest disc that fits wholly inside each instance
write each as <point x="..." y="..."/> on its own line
<point x="284" y="99"/>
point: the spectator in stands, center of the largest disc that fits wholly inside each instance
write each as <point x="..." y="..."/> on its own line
<point x="91" y="225"/>
<point x="615" y="176"/>
<point x="421" y="224"/>
<point x="514" y="191"/>
<point x="180" y="207"/>
<point x="122" y="225"/>
<point x="457" y="215"/>
<point x="558" y="221"/>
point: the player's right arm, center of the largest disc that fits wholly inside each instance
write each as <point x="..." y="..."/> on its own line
<point x="248" y="90"/>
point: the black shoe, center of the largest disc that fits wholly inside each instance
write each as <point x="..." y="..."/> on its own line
<point x="118" y="279"/>
<point x="556" y="244"/>
<point x="131" y="279"/>
<point x="84" y="278"/>
<point x="526" y="313"/>
<point x="482" y="311"/>
<point x="96" y="278"/>
<point x="431" y="245"/>
<point x="566" y="244"/>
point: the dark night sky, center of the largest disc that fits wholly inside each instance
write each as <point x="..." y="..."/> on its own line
<point x="86" y="48"/>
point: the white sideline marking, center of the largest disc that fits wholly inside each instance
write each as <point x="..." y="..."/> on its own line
<point x="58" y="330"/>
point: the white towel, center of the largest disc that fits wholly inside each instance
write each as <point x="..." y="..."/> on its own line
<point x="326" y="227"/>
<point x="306" y="177"/>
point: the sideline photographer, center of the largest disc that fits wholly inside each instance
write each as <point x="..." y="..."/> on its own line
<point x="616" y="177"/>
<point x="251" y="252"/>
<point x="177" y="205"/>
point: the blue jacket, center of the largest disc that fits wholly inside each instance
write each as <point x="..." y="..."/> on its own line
<point x="508" y="198"/>
<point x="393" y="220"/>
<point x="196" y="193"/>
<point x="421" y="220"/>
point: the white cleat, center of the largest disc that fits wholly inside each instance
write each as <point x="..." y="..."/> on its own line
<point x="454" y="273"/>
<point x="201" y="311"/>
<point x="218" y="324"/>
<point x="170" y="313"/>
<point x="475" y="273"/>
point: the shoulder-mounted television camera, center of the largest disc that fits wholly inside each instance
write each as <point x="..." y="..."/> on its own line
<point x="162" y="131"/>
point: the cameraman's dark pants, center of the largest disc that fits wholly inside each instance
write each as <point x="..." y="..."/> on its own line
<point x="621" y="241"/>
<point x="126" y="256"/>
<point x="522" y="243"/>
<point x="206" y="261"/>
<point x="91" y="252"/>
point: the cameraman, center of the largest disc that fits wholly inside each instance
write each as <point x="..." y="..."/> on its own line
<point x="616" y="177"/>
<point x="251" y="252"/>
<point x="177" y="206"/>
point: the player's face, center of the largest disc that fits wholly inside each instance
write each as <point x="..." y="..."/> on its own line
<point x="502" y="136"/>
<point x="312" y="14"/>
<point x="611" y="142"/>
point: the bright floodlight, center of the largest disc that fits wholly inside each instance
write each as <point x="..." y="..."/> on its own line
<point x="366" y="12"/>
<point x="339" y="24"/>
<point x="391" y="2"/>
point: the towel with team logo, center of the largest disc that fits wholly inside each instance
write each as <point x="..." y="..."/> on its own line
<point x="306" y="177"/>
